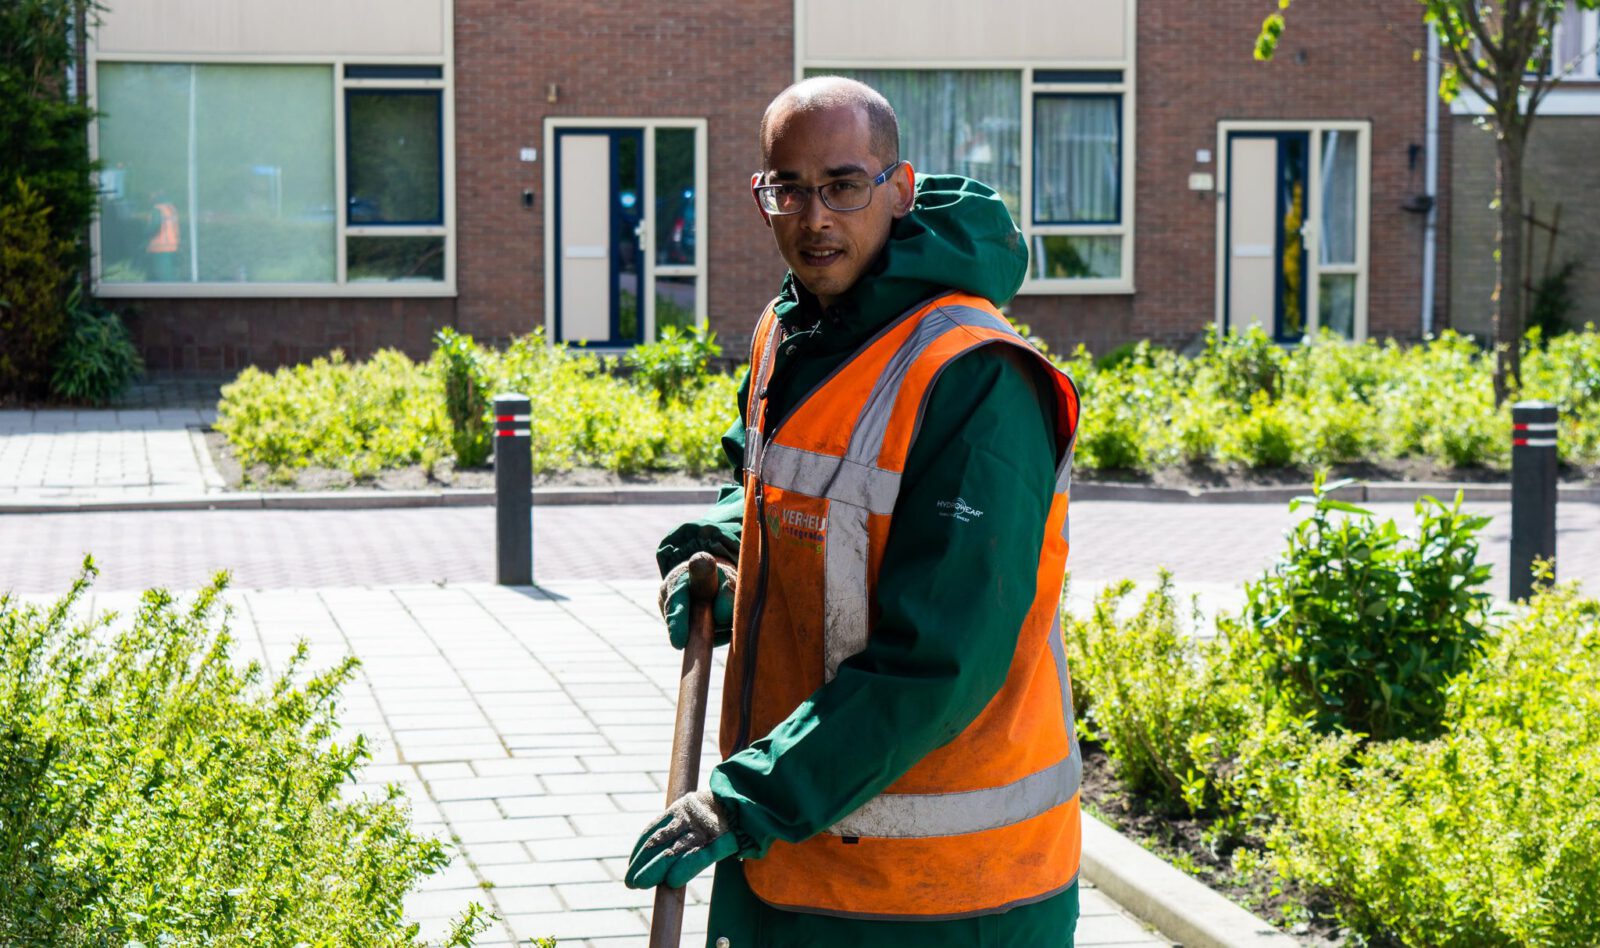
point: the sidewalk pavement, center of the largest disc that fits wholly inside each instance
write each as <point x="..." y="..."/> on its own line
<point x="531" y="726"/>
<point x="126" y="454"/>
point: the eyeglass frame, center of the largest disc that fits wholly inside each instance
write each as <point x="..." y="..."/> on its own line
<point x="756" y="189"/>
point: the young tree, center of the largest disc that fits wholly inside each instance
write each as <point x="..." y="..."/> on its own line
<point x="1503" y="51"/>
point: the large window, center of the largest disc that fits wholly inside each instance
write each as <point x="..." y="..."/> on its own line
<point x="220" y="178"/>
<point x="1062" y="173"/>
<point x="216" y="174"/>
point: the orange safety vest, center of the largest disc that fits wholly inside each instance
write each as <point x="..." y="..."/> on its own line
<point x="166" y="239"/>
<point x="989" y="820"/>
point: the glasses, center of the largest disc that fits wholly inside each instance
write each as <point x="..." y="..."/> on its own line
<point x="847" y="194"/>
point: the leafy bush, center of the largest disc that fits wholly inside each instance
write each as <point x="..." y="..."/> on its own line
<point x="153" y="792"/>
<point x="672" y="365"/>
<point x="357" y="417"/>
<point x="1488" y="835"/>
<point x="1161" y="701"/>
<point x="34" y="274"/>
<point x="466" y="396"/>
<point x="1361" y="627"/>
<point x="1267" y="435"/>
<point x="97" y="360"/>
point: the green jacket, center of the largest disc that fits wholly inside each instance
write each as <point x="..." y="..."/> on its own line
<point x="938" y="653"/>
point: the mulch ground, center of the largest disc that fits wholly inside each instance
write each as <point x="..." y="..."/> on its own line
<point x="1182" y="840"/>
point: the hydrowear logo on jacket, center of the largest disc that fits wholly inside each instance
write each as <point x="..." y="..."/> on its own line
<point x="958" y="509"/>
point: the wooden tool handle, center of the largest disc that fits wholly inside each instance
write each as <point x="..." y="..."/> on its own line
<point x="666" y="920"/>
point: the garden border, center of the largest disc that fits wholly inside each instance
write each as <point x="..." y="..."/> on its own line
<point x="1180" y="906"/>
<point x="360" y="499"/>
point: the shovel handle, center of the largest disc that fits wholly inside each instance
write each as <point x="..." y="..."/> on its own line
<point x="666" y="920"/>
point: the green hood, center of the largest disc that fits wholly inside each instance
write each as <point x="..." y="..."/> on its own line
<point x="958" y="236"/>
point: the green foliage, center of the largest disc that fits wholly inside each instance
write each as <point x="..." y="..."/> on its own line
<point x="154" y="791"/>
<point x="466" y="396"/>
<point x="1158" y="698"/>
<point x="1247" y="401"/>
<point x="34" y="274"/>
<point x="1489" y="835"/>
<point x="1363" y="628"/>
<point x="357" y="417"/>
<point x="672" y="366"/>
<point x="97" y="359"/>
<point x="43" y="134"/>
<point x="390" y="412"/>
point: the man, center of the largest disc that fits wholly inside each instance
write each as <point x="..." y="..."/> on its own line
<point x="900" y="761"/>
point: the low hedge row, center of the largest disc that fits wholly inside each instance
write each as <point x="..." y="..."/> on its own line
<point x="1243" y="401"/>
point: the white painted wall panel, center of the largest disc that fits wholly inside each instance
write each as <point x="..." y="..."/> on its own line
<point x="585" y="254"/>
<point x="955" y="31"/>
<point x="1253" y="230"/>
<point x="278" y="28"/>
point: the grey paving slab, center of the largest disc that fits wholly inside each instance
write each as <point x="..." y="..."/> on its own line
<point x="100" y="455"/>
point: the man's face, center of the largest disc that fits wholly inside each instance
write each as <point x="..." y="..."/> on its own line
<point x="828" y="250"/>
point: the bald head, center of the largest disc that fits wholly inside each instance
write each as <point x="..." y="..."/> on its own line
<point x="825" y="93"/>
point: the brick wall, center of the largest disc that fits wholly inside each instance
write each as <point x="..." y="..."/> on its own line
<point x="1561" y="169"/>
<point x="723" y="61"/>
<point x="1195" y="68"/>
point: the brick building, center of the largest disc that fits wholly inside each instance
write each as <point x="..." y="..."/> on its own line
<point x="284" y="179"/>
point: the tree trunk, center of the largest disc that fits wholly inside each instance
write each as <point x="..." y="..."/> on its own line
<point x="1511" y="301"/>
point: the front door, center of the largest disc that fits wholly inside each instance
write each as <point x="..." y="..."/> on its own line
<point x="599" y="212"/>
<point x="1293" y="222"/>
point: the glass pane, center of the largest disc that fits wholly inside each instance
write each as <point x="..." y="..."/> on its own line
<point x="1077" y="159"/>
<point x="675" y="196"/>
<point x="958" y="122"/>
<point x="1338" y="243"/>
<point x="395" y="160"/>
<point x="395" y="259"/>
<point x="674" y="303"/>
<point x="1292" y="167"/>
<point x="628" y="165"/>
<point x="1336" y="303"/>
<point x="251" y="201"/>
<point x="1070" y="257"/>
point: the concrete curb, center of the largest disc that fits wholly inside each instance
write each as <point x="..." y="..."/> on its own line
<point x="365" y="500"/>
<point x="1382" y="492"/>
<point x="1181" y="907"/>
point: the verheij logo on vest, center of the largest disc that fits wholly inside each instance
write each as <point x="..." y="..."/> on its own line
<point x="797" y="526"/>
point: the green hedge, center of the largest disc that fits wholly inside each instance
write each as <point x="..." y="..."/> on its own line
<point x="390" y="412"/>
<point x="1248" y="401"/>
<point x="1486" y="834"/>
<point x="154" y="791"/>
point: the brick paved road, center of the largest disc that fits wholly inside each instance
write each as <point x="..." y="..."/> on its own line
<point x="1201" y="543"/>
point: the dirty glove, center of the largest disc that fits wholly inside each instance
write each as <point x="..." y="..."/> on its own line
<point x="682" y="842"/>
<point x="675" y="604"/>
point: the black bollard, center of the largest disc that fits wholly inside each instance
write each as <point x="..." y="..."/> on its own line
<point x="513" y="491"/>
<point x="1533" y="492"/>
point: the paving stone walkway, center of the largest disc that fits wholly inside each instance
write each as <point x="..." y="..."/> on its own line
<point x="530" y="726"/>
<point x="127" y="454"/>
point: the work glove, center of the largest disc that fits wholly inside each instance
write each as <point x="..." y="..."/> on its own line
<point x="681" y="843"/>
<point x="675" y="604"/>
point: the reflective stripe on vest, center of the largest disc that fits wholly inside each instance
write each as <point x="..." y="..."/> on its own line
<point x="942" y="840"/>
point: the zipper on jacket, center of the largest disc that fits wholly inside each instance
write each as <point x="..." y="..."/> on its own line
<point x="747" y="686"/>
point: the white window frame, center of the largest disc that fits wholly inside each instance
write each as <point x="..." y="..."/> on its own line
<point x="1127" y="88"/>
<point x="1312" y="224"/>
<point x="647" y="242"/>
<point x="340" y="286"/>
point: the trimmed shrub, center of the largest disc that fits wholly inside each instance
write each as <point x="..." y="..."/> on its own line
<point x="155" y="792"/>
<point x="1363" y="628"/>
<point x="459" y="364"/>
<point x="674" y="365"/>
<point x="1488" y="835"/>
